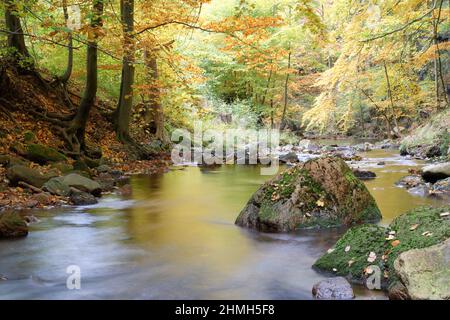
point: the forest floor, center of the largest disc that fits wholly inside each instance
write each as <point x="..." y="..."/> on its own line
<point x="26" y="104"/>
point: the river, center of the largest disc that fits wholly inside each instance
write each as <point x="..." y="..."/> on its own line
<point x="175" y="238"/>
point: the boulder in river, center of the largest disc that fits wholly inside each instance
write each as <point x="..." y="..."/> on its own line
<point x="82" y="183"/>
<point x="34" y="177"/>
<point x="425" y="273"/>
<point x="337" y="288"/>
<point x="364" y="248"/>
<point x="410" y="181"/>
<point x="81" y="198"/>
<point x="364" y="174"/>
<point x="435" y="172"/>
<point x="12" y="225"/>
<point x="321" y="192"/>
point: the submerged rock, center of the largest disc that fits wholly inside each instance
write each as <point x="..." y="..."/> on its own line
<point x="425" y="273"/>
<point x="337" y="288"/>
<point x="435" y="172"/>
<point x="321" y="192"/>
<point x="366" y="247"/>
<point x="12" y="225"/>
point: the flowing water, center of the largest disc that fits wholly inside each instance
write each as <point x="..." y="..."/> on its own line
<point x="175" y="238"/>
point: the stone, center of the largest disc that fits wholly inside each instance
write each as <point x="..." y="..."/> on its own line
<point x="421" y="190"/>
<point x="43" y="154"/>
<point x="34" y="177"/>
<point x="375" y="245"/>
<point x="337" y="288"/>
<point x="12" y="225"/>
<point x="426" y="272"/>
<point x="82" y="183"/>
<point x="321" y="192"/>
<point x="441" y="188"/>
<point x="364" y="174"/>
<point x="57" y="187"/>
<point x="289" y="157"/>
<point x="80" y="198"/>
<point x="81" y="165"/>
<point x="103" y="168"/>
<point x="410" y="181"/>
<point x="435" y="172"/>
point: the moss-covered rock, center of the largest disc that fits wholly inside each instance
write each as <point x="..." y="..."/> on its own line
<point x="322" y="192"/>
<point x="32" y="176"/>
<point x="43" y="154"/>
<point x="12" y="225"/>
<point x="369" y="245"/>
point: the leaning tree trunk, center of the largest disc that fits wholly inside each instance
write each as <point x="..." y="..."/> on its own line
<point x="286" y="84"/>
<point x="76" y="132"/>
<point x="154" y="115"/>
<point x="16" y="37"/>
<point x="125" y="105"/>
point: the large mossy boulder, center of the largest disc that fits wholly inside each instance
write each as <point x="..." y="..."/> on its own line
<point x="33" y="177"/>
<point x="321" y="192"/>
<point x="12" y="226"/>
<point x="43" y="154"/>
<point x="57" y="187"/>
<point x="425" y="273"/>
<point x="362" y="247"/>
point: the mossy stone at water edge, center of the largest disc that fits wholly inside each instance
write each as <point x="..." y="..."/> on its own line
<point x="12" y="225"/>
<point x="419" y="228"/>
<point x="322" y="192"/>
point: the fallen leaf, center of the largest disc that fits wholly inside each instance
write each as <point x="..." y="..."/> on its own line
<point x="334" y="269"/>
<point x="392" y="232"/>
<point x="320" y="203"/>
<point x="414" y="227"/>
<point x="330" y="250"/>
<point x="390" y="237"/>
<point x="445" y="214"/>
<point x="347" y="248"/>
<point x="368" y="270"/>
<point x="395" y="243"/>
<point x="350" y="263"/>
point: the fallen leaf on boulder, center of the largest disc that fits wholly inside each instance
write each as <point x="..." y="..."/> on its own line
<point x="395" y="243"/>
<point x="445" y="214"/>
<point x="347" y="248"/>
<point x="414" y="227"/>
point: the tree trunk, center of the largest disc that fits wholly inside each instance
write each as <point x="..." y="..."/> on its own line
<point x="283" y="117"/>
<point x="394" y="117"/>
<point x="154" y="114"/>
<point x="125" y="104"/>
<point x="16" y="37"/>
<point x="78" y="125"/>
<point x="66" y="76"/>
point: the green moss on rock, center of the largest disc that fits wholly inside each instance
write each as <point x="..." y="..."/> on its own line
<point x="419" y="228"/>
<point x="12" y="226"/>
<point x="43" y="154"/>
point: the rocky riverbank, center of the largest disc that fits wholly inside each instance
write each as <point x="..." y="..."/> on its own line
<point x="41" y="177"/>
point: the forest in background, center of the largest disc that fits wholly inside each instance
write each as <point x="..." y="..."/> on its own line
<point x="372" y="68"/>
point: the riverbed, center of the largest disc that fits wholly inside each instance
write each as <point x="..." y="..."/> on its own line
<point x="175" y="238"/>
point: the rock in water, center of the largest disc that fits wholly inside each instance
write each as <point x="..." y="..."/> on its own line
<point x="426" y="272"/>
<point x="364" y="174"/>
<point x="372" y="246"/>
<point x="435" y="172"/>
<point x="289" y="157"/>
<point x="80" y="198"/>
<point x="12" y="226"/>
<point x="333" y="289"/>
<point x="322" y="192"/>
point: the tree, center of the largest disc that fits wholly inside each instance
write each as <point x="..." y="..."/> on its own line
<point x="75" y="135"/>
<point x="16" y="39"/>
